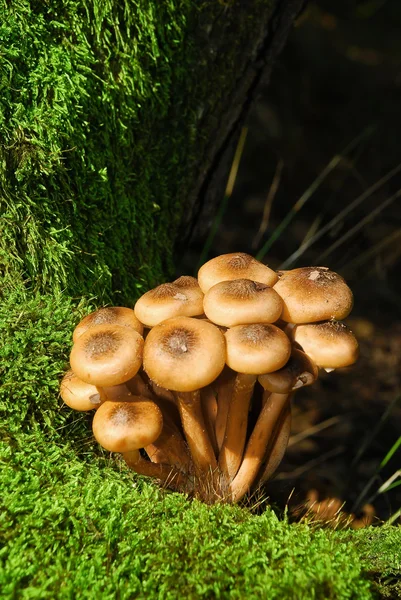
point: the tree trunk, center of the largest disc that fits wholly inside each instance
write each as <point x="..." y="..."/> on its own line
<point x="119" y="125"/>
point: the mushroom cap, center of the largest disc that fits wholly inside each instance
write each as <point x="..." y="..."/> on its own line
<point x="299" y="371"/>
<point x="109" y="315"/>
<point x="257" y="348"/>
<point x="183" y="297"/>
<point x="184" y="354"/>
<point x="312" y="294"/>
<point x="242" y="301"/>
<point x="330" y="345"/>
<point x="78" y="394"/>
<point x="234" y="266"/>
<point x="128" y="425"/>
<point x="107" y="355"/>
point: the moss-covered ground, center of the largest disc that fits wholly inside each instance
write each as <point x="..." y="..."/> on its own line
<point x="81" y="225"/>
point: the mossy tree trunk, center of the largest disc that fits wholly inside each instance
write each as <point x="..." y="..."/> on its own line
<point x="118" y="122"/>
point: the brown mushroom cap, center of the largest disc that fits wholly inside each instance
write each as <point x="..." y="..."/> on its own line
<point x="299" y="371"/>
<point x="184" y="354"/>
<point x="242" y="301"/>
<point x="109" y="315"/>
<point x="78" y="394"/>
<point x="125" y="426"/>
<point x="183" y="297"/>
<point x="312" y="294"/>
<point x="330" y="345"/>
<point x="107" y="355"/>
<point x="257" y="348"/>
<point x="234" y="266"/>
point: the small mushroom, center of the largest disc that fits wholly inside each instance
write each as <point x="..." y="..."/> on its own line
<point x="312" y="294"/>
<point x="107" y="355"/>
<point x="251" y="350"/>
<point x="242" y="301"/>
<point x="183" y="297"/>
<point x="78" y="394"/>
<point x="234" y="266"/>
<point x="128" y="425"/>
<point x="184" y="355"/>
<point x="109" y="315"/>
<point x="330" y="345"/>
<point x="298" y="372"/>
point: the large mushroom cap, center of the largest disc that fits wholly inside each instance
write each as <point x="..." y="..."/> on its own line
<point x="257" y="348"/>
<point x="298" y="372"/>
<point x="234" y="266"/>
<point x="331" y="345"/>
<point x="183" y="297"/>
<point x="184" y="354"/>
<point x="109" y="315"/>
<point x="312" y="294"/>
<point x="125" y="426"/>
<point x="242" y="301"/>
<point x="107" y="355"/>
<point x="78" y="394"/>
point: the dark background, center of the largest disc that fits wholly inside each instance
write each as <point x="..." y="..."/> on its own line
<point x="338" y="82"/>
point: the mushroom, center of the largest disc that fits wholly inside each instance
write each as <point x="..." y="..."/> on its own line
<point x="183" y="297"/>
<point x="312" y="294"/>
<point x="107" y="355"/>
<point x="184" y="355"/>
<point x="242" y="301"/>
<point x="234" y="266"/>
<point x="128" y="425"/>
<point x="251" y="350"/>
<point x="298" y="372"/>
<point x="169" y="446"/>
<point x="78" y="394"/>
<point x="277" y="444"/>
<point x="330" y="344"/>
<point x="109" y="315"/>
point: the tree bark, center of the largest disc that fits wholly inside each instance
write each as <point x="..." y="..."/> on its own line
<point x="119" y="126"/>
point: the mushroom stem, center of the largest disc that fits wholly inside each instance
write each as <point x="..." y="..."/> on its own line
<point x="190" y="407"/>
<point x="278" y="446"/>
<point x="209" y="408"/>
<point x="170" y="448"/>
<point x="256" y="447"/>
<point x="164" y="473"/>
<point x="237" y="420"/>
<point x="224" y="393"/>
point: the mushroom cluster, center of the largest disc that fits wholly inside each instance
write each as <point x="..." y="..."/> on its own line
<point x="194" y="385"/>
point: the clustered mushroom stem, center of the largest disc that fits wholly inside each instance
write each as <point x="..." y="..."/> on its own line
<point x="169" y="448"/>
<point x="190" y="407"/>
<point x="236" y="428"/>
<point x="224" y="393"/>
<point x="209" y="406"/>
<point x="278" y="445"/>
<point x="257" y="444"/>
<point x="164" y="473"/>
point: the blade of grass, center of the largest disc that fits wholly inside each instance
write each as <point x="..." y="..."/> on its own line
<point x="310" y="191"/>
<point x="373" y="433"/>
<point x="394" y="517"/>
<point x="363" y="257"/>
<point x="269" y="203"/>
<point x="227" y="194"/>
<point x="390" y="453"/>
<point x="339" y="217"/>
<point x="360" y="225"/>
